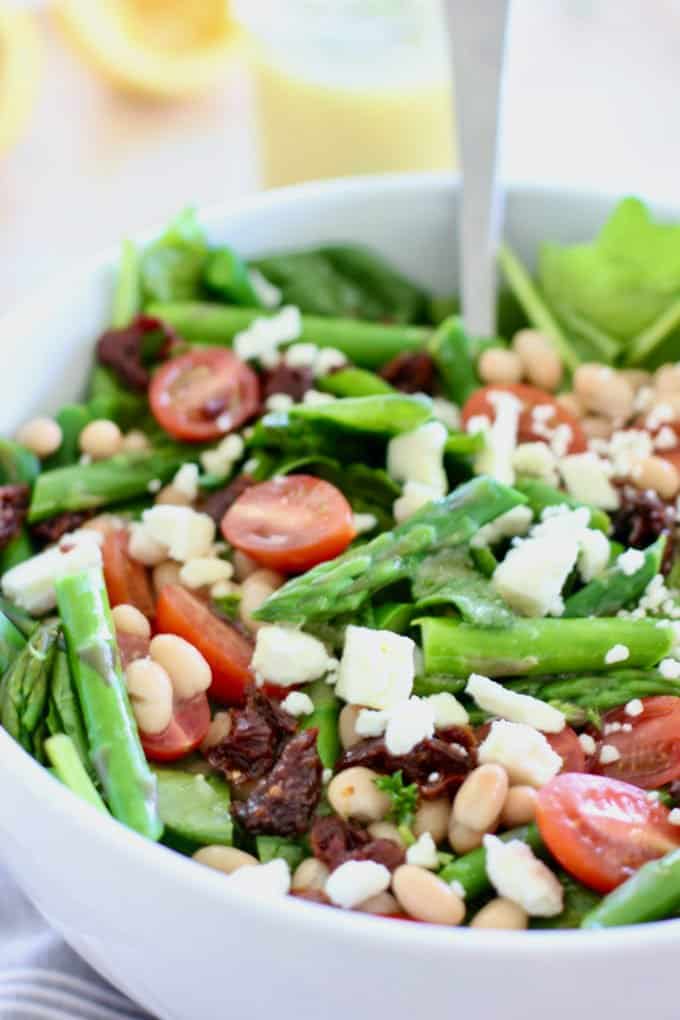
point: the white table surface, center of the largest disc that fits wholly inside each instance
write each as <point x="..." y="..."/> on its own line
<point x="592" y="99"/>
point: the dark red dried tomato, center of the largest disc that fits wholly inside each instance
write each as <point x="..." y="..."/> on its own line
<point x="217" y="503"/>
<point x="641" y="518"/>
<point x="121" y="349"/>
<point x="282" y="804"/>
<point x="294" y="382"/>
<point x="410" y="372"/>
<point x="437" y="764"/>
<point x="257" y="734"/>
<point x="14" y="501"/>
<point x="52" y="529"/>
<point x="335" y="841"/>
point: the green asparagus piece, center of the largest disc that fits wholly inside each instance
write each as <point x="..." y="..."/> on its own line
<point x="226" y="275"/>
<point x="651" y="894"/>
<point x="464" y="443"/>
<point x="324" y="718"/>
<point x="386" y="415"/>
<point x="172" y="267"/>
<point x="17" y="550"/>
<point x="367" y="344"/>
<point x="438" y="683"/>
<point x="578" y="903"/>
<point x="86" y="486"/>
<point x="107" y="398"/>
<point x="353" y="382"/>
<point x="470" y="869"/>
<point x="395" y="295"/>
<point x="269" y="848"/>
<point x="25" y="685"/>
<point x="531" y="647"/>
<point x="613" y="590"/>
<point x="21" y="621"/>
<point x="394" y="616"/>
<point x="65" y="715"/>
<point x="72" y="419"/>
<point x="127" y="296"/>
<point x="17" y="464"/>
<point x="451" y="349"/>
<point x="483" y="559"/>
<point x="194" y="808"/>
<point x="308" y="280"/>
<point x="541" y="495"/>
<point x="447" y="577"/>
<point x="115" y="750"/>
<point x="68" y="767"/>
<point x="344" y="584"/>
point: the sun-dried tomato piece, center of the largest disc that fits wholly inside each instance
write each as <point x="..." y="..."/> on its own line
<point x="14" y="501"/>
<point x="217" y="503"/>
<point x="641" y="518"/>
<point x="283" y="803"/>
<point x="410" y="372"/>
<point x="437" y="764"/>
<point x="293" y="381"/>
<point x="121" y="349"/>
<point x="52" y="529"/>
<point x="257" y="734"/>
<point x="335" y="841"/>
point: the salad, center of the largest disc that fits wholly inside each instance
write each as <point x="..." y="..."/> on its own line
<point x="320" y="590"/>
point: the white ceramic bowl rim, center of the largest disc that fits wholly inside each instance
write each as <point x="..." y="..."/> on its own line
<point x="308" y="918"/>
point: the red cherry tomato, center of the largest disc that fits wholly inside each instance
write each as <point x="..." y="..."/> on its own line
<point x="127" y="581"/>
<point x="187" y="728"/>
<point x="290" y="524"/>
<point x="204" y="394"/>
<point x="226" y="650"/>
<point x="531" y="428"/>
<point x="650" y="751"/>
<point x="568" y="746"/>
<point x="601" y="830"/>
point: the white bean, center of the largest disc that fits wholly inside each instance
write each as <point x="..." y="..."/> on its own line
<point x="310" y="874"/>
<point x="501" y="914"/>
<point x="479" y="801"/>
<point x="129" y="620"/>
<point x="42" y="436"/>
<point x="188" y="670"/>
<point x="519" y="807"/>
<point x="255" y="590"/>
<point x="499" y="366"/>
<point x="219" y="730"/>
<point x="541" y="364"/>
<point x="347" y="724"/>
<point x="385" y="830"/>
<point x="225" y="858"/>
<point x="100" y="439"/>
<point x="165" y="573"/>
<point x="150" y="693"/>
<point x="433" y="816"/>
<point x="352" y="793"/>
<point x="425" y="897"/>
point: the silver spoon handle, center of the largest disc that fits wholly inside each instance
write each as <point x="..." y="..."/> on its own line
<point x="477" y="44"/>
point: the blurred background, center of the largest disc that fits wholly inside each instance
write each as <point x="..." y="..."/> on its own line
<point x="116" y="113"/>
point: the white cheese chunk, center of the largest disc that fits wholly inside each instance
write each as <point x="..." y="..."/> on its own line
<point x="630" y="561"/>
<point x="186" y="481"/>
<point x="418" y="456"/>
<point x="377" y="668"/>
<point x="285" y="656"/>
<point x="532" y="575"/>
<point x="220" y="460"/>
<point x="262" y="338"/>
<point x="448" y="711"/>
<point x="524" y="753"/>
<point x="446" y="412"/>
<point x="315" y="398"/>
<point x="669" y="669"/>
<point x="609" y="754"/>
<point x="185" y="533"/>
<point x="617" y="653"/>
<point x="327" y="360"/>
<point x="355" y="881"/>
<point x="265" y="881"/>
<point x="371" y="723"/>
<point x="279" y="402"/>
<point x="501" y="439"/>
<point x="519" y="708"/>
<point x="593" y="555"/>
<point x="587" y="743"/>
<point x="364" y="522"/>
<point x="508" y="525"/>
<point x="423" y="853"/>
<point x="31" y="584"/>
<point x="587" y="480"/>
<point x="298" y="703"/>
<point x="635" y="707"/>
<point x="413" y="497"/>
<point x="536" y="460"/>
<point x="205" y="570"/>
<point x="409" y="722"/>
<point x="518" y="875"/>
<point x="301" y="355"/>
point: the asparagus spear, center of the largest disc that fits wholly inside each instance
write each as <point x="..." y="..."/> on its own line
<point x="226" y="274"/>
<point x="25" y="685"/>
<point x="21" y="621"/>
<point x="651" y="894"/>
<point x="367" y="344"/>
<point x="68" y="767"/>
<point x="17" y="550"/>
<point x="612" y="590"/>
<point x="12" y="639"/>
<point x="115" y="751"/>
<point x="541" y="495"/>
<point x="85" y="486"/>
<point x="470" y="869"/>
<point x="451" y="349"/>
<point x="344" y="584"/>
<point x="65" y="715"/>
<point x="448" y="577"/>
<point x="127" y="296"/>
<point x="324" y="719"/>
<point x="353" y="382"/>
<point x="531" y="647"/>
<point x="383" y="414"/>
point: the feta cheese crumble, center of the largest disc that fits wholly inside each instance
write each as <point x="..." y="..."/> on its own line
<point x="423" y="853"/>
<point x="501" y="438"/>
<point x="377" y="667"/>
<point x="635" y="707"/>
<point x="674" y="816"/>
<point x="31" y="584"/>
<point x="669" y="669"/>
<point x="524" y="753"/>
<point x="364" y="522"/>
<point x="185" y="533"/>
<point x="508" y="525"/>
<point x="518" y="875"/>
<point x="609" y="754"/>
<point x="220" y="460"/>
<point x="536" y="460"/>
<point x="263" y="337"/>
<point x="519" y="708"/>
<point x="186" y="481"/>
<point x="448" y="711"/>
<point x="630" y="561"/>
<point x="617" y="653"/>
<point x="409" y="722"/>
<point x="587" y="479"/>
<point x="418" y="456"/>
<point x="587" y="743"/>
<point x="355" y="881"/>
<point x="297" y="703"/>
<point x="204" y="570"/>
<point x="414" y="496"/>
<point x="264" y="881"/>
<point x="285" y="656"/>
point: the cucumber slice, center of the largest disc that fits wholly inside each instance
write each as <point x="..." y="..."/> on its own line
<point x="194" y="807"/>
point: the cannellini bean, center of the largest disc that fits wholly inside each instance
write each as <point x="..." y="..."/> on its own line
<point x="667" y="379"/>
<point x="255" y="590"/>
<point x="462" y="838"/>
<point x="519" y="807"/>
<point x="541" y="364"/>
<point x="243" y="565"/>
<point x="637" y="377"/>
<point x="381" y="903"/>
<point x="150" y="693"/>
<point x="352" y="793"/>
<point x="135" y="441"/>
<point x="144" y="548"/>
<point x="347" y="726"/>
<point x="219" y="730"/>
<point x="189" y="672"/>
<point x="165" y="573"/>
<point x="657" y="474"/>
<point x="479" y="801"/>
<point x="100" y="439"/>
<point x="501" y="914"/>
<point x="42" y="436"/>
<point x="105" y="524"/>
<point x="571" y="403"/>
<point x="425" y="897"/>
<point x="225" y="858"/>
<point x="310" y="874"/>
<point x="596" y="427"/>
<point x="173" y="497"/>
<point x="499" y="366"/>
<point x="385" y="830"/>
<point x="129" y="620"/>
<point x="603" y="391"/>
<point x="433" y="816"/>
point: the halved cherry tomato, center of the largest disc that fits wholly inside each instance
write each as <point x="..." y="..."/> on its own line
<point x="228" y="653"/>
<point x="568" y="746"/>
<point x="650" y="752"/>
<point x="601" y="830"/>
<point x="290" y="524"/>
<point x="204" y="394"/>
<point x="531" y="429"/>
<point x="186" y="730"/>
<point x="127" y="581"/>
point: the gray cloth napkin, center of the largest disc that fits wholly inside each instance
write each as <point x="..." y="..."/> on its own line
<point x="41" y="978"/>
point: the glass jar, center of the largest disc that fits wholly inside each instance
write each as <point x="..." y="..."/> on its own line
<point x="349" y="87"/>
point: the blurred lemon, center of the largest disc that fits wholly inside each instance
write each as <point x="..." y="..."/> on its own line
<point x="19" y="71"/>
<point x="160" y="48"/>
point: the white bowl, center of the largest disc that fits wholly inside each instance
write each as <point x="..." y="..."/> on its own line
<point x="173" y="935"/>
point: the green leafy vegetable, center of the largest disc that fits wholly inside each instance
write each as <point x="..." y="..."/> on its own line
<point x="172" y="266"/>
<point x="448" y="577"/>
<point x="404" y="801"/>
